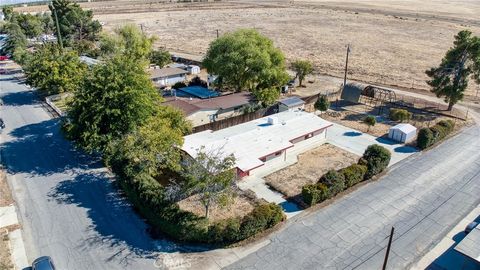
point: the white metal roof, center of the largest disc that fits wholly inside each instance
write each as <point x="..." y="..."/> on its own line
<point x="405" y="128"/>
<point x="250" y="141"/>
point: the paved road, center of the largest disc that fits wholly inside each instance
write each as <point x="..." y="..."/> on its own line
<point x="67" y="205"/>
<point x="423" y="197"/>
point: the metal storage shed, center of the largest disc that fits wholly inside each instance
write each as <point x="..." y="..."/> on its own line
<point x="402" y="133"/>
<point x="291" y="103"/>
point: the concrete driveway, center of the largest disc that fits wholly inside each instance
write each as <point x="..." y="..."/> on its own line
<point x="356" y="142"/>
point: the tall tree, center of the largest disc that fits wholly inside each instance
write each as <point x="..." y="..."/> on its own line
<point x="75" y="23"/>
<point x="160" y="57"/>
<point x="462" y="61"/>
<point x="210" y="176"/>
<point x="16" y="39"/>
<point x="7" y="12"/>
<point x="52" y="70"/>
<point x="31" y="25"/>
<point x="116" y="98"/>
<point x="322" y="104"/>
<point x="246" y="60"/>
<point x="302" y="68"/>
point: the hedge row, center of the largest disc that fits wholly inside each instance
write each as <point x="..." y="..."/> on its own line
<point x="374" y="160"/>
<point x="146" y="194"/>
<point x="429" y="136"/>
<point x="400" y="115"/>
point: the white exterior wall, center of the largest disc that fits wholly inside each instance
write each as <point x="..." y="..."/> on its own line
<point x="169" y="81"/>
<point x="400" y="136"/>
<point x="282" y="107"/>
<point x="201" y="117"/>
<point x="192" y="69"/>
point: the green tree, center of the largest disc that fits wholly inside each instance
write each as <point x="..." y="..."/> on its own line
<point x="302" y="68"/>
<point x="48" y="24"/>
<point x="160" y="57"/>
<point x="16" y="39"/>
<point x="54" y="71"/>
<point x="322" y="104"/>
<point x="450" y="78"/>
<point x="116" y="98"/>
<point x="370" y="121"/>
<point x="31" y="25"/>
<point x="75" y="23"/>
<point x="376" y="158"/>
<point x="7" y="12"/>
<point x="246" y="60"/>
<point x="211" y="176"/>
<point x="129" y="41"/>
<point x="268" y="96"/>
<point x="150" y="148"/>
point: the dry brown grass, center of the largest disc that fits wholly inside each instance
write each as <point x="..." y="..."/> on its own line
<point x="5" y="257"/>
<point x="241" y="206"/>
<point x="5" y="194"/>
<point x="310" y="167"/>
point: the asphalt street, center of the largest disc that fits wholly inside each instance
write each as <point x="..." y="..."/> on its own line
<point x="68" y="207"/>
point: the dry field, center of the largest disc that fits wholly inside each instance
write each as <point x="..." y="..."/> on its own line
<point x="393" y="42"/>
<point x="241" y="206"/>
<point x="310" y="167"/>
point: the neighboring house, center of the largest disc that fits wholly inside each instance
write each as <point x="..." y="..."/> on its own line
<point x="262" y="142"/>
<point x="193" y="69"/>
<point x="291" y="103"/>
<point x="203" y="111"/>
<point x="167" y="76"/>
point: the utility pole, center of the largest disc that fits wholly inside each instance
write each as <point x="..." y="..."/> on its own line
<point x="346" y="66"/>
<point x="217" y="33"/>
<point x="384" y="267"/>
<point x="59" y="35"/>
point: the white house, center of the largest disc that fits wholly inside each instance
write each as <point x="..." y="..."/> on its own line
<point x="262" y="142"/>
<point x="167" y="76"/>
<point x="193" y="69"/>
<point x="402" y="133"/>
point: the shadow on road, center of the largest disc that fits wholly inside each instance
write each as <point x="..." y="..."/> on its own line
<point x="19" y="98"/>
<point x="40" y="149"/>
<point x="114" y="224"/>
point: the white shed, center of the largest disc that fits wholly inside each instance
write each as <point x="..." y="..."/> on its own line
<point x="402" y="133"/>
<point x="193" y="69"/>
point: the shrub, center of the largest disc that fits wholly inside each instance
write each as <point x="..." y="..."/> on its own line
<point x="377" y="158"/>
<point x="322" y="104"/>
<point x="314" y="193"/>
<point x="439" y="132"/>
<point x="262" y="217"/>
<point x="400" y="115"/>
<point x="334" y="180"/>
<point x="354" y="174"/>
<point x="370" y="121"/>
<point x="447" y="124"/>
<point x="425" y="138"/>
<point x="179" y="85"/>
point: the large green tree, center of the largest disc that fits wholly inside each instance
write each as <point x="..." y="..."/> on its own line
<point x="31" y="25"/>
<point x="116" y="98"/>
<point x="302" y="68"/>
<point x="52" y="70"/>
<point x="16" y="39"/>
<point x="462" y="61"/>
<point x="246" y="60"/>
<point x="75" y="23"/>
<point x="160" y="57"/>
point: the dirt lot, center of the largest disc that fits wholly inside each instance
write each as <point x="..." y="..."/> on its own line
<point x="5" y="263"/>
<point x="241" y="206"/>
<point x="310" y="167"/>
<point x="5" y="195"/>
<point x="393" y="42"/>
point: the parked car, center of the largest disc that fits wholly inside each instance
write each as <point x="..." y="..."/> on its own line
<point x="470" y="227"/>
<point x="43" y="263"/>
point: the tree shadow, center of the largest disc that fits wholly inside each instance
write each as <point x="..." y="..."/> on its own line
<point x="20" y="98"/>
<point x="113" y="222"/>
<point x="405" y="149"/>
<point x="40" y="149"/>
<point x="352" y="134"/>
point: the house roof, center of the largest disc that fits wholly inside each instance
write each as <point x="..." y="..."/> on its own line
<point x="166" y="72"/>
<point x="470" y="245"/>
<point x="253" y="140"/>
<point x="225" y="101"/>
<point x="183" y="105"/>
<point x="292" y="101"/>
<point x="405" y="128"/>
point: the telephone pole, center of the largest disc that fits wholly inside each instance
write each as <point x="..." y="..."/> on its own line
<point x="59" y="35"/>
<point x="217" y="33"/>
<point x="346" y="66"/>
<point x="384" y="267"/>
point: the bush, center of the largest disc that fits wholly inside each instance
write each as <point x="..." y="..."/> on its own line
<point x="447" y="124"/>
<point x="400" y="115"/>
<point x="425" y="138"/>
<point x="314" y="193"/>
<point x="354" y="174"/>
<point x="262" y="217"/>
<point x="335" y="182"/>
<point x="377" y="158"/>
<point x="179" y="85"/>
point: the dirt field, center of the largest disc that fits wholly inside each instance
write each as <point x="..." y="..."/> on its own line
<point x="393" y="42"/>
<point x="310" y="167"/>
<point x="5" y="263"/>
<point x="241" y="206"/>
<point x="5" y="195"/>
